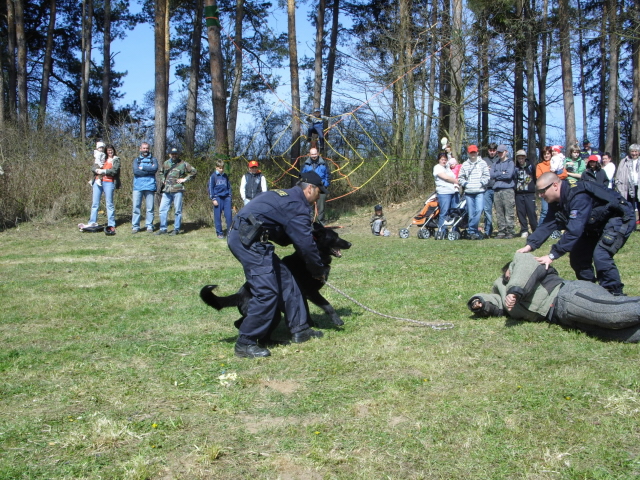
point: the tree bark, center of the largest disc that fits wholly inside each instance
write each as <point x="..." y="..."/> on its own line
<point x="484" y="87"/>
<point x="583" y="93"/>
<point x="612" y="103"/>
<point x="635" y="104"/>
<point x="87" y="25"/>
<point x="194" y="74"/>
<point x="47" y="65"/>
<point x="11" y="67"/>
<point x="331" y="57"/>
<point x="161" y="100"/>
<point x="531" y="42"/>
<point x="317" y="67"/>
<point x="541" y="118"/>
<point x="2" y="109"/>
<point x="237" y="77"/>
<point x="518" y="87"/>
<point x="456" y="121"/>
<point x="602" y="104"/>
<point x="444" y="74"/>
<point x="21" y="43"/>
<point x="430" y="102"/>
<point x="218" y="88"/>
<point x="295" y="81"/>
<point x="567" y="73"/>
<point x="106" y="67"/>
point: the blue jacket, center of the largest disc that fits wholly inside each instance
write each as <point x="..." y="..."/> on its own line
<point x="219" y="185"/>
<point x="144" y="173"/>
<point x="320" y="167"/>
<point x="504" y="173"/>
<point x="286" y="215"/>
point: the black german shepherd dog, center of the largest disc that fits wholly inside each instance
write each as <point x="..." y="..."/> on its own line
<point x="329" y="245"/>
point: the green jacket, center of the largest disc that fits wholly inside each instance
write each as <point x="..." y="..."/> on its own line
<point x="536" y="287"/>
<point x="172" y="172"/>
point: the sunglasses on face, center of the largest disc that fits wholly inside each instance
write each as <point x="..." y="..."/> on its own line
<point x="541" y="191"/>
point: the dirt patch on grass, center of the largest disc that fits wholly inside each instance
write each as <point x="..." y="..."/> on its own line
<point x="283" y="386"/>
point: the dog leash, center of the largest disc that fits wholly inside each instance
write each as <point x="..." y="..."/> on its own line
<point x="433" y="325"/>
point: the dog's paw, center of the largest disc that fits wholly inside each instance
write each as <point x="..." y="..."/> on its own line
<point x="337" y="321"/>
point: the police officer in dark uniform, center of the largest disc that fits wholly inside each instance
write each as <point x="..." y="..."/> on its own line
<point x="282" y="217"/>
<point x="596" y="221"/>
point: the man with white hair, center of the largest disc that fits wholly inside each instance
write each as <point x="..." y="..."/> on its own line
<point x="626" y="181"/>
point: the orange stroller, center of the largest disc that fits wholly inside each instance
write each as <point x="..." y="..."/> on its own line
<point x="426" y="219"/>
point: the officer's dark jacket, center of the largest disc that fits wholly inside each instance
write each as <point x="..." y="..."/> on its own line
<point x="575" y="207"/>
<point x="286" y="216"/>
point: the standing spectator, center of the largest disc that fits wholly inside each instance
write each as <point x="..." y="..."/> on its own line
<point x="594" y="172"/>
<point x="252" y="183"/>
<point x="317" y="126"/>
<point x="626" y="181"/>
<point x="504" y="173"/>
<point x="110" y="173"/>
<point x="544" y="165"/>
<point x="490" y="159"/>
<point x="574" y="166"/>
<point x="220" y="195"/>
<point x="446" y="189"/>
<point x="525" y="194"/>
<point x="145" y="167"/>
<point x="175" y="173"/>
<point x="609" y="168"/>
<point x="474" y="177"/>
<point x="587" y="150"/>
<point x="315" y="163"/>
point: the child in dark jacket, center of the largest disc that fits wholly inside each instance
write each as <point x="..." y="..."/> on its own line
<point x="220" y="195"/>
<point x="525" y="194"/>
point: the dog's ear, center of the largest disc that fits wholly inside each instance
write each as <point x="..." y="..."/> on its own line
<point x="317" y="227"/>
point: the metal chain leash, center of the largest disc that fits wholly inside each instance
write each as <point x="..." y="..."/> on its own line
<point x="433" y="325"/>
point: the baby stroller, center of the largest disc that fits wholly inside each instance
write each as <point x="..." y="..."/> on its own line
<point x="426" y="219"/>
<point x="455" y="223"/>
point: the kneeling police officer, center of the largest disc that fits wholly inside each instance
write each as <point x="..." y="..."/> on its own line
<point x="596" y="221"/>
<point x="282" y="217"/>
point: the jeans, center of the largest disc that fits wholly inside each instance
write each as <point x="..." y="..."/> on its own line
<point x="165" y="204"/>
<point x="317" y="129"/>
<point x="475" y="204"/>
<point x="526" y="210"/>
<point x="544" y="207"/>
<point x="224" y="206"/>
<point x="445" y="201"/>
<point x="108" y="188"/>
<point x="488" y="211"/>
<point x="149" y="199"/>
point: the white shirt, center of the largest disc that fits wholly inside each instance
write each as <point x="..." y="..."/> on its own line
<point x="443" y="187"/>
<point x="610" y="170"/>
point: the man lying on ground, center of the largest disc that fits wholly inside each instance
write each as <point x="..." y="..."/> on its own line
<point x="529" y="291"/>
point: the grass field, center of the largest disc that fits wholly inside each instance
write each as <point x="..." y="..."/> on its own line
<point x="111" y="369"/>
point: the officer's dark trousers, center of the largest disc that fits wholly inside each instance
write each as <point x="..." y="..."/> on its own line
<point x="589" y="252"/>
<point x="272" y="288"/>
<point x="589" y="307"/>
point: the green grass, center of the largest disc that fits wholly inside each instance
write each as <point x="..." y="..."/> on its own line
<point x="110" y="366"/>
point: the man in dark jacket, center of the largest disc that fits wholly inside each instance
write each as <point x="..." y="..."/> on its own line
<point x="596" y="221"/>
<point x="503" y="172"/>
<point x="282" y="217"/>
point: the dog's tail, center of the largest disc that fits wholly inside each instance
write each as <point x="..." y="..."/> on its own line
<point x="214" y="301"/>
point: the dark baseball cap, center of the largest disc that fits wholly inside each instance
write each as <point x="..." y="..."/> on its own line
<point x="314" y="179"/>
<point x="174" y="150"/>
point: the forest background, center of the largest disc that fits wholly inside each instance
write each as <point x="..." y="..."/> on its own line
<point x="393" y="77"/>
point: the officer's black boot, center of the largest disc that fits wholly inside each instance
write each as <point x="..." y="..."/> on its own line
<point x="305" y="335"/>
<point x="251" y="351"/>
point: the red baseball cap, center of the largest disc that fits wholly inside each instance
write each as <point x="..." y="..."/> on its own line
<point x="253" y="163"/>
<point x="472" y="148"/>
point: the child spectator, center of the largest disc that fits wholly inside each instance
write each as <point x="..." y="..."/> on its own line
<point x="220" y="195"/>
<point x="557" y="160"/>
<point x="252" y="183"/>
<point x="378" y="222"/>
<point x="98" y="162"/>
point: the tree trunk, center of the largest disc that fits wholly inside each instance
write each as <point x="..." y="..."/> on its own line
<point x="47" y="65"/>
<point x="541" y="119"/>
<point x="295" y="81"/>
<point x="87" y="25"/>
<point x="456" y="121"/>
<point x="431" y="91"/>
<point x="635" y="104"/>
<point x="2" y="110"/>
<point x="194" y="74"/>
<point x="444" y="74"/>
<point x="484" y="88"/>
<point x="567" y="73"/>
<point x="531" y="41"/>
<point x="237" y="77"/>
<point x="602" y="105"/>
<point x="106" y="67"/>
<point x="518" y="87"/>
<point x="21" y="43"/>
<point x="612" y="103"/>
<point x="583" y="94"/>
<point x="317" y="67"/>
<point x="11" y="67"/>
<point x="161" y="100"/>
<point x="331" y="57"/>
<point x="218" y="87"/>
